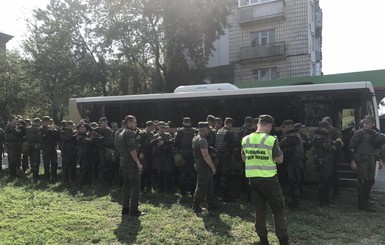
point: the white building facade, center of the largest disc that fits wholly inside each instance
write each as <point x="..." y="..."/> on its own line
<point x="268" y="40"/>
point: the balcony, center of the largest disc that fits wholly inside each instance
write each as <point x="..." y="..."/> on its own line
<point x="268" y="51"/>
<point x="259" y="12"/>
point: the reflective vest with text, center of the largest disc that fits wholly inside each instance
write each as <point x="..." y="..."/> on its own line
<point x="258" y="151"/>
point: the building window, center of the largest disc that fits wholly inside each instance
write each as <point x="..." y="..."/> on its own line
<point x="261" y="38"/>
<point x="242" y="3"/>
<point x="265" y="74"/>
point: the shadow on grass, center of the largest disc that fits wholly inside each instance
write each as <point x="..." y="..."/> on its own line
<point x="128" y="229"/>
<point x="215" y="224"/>
<point x="165" y="200"/>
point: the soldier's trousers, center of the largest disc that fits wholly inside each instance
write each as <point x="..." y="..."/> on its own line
<point x="131" y="188"/>
<point x="26" y="157"/>
<point x="187" y="176"/>
<point x="14" y="158"/>
<point x="34" y="156"/>
<point x="325" y="180"/>
<point x="50" y="162"/>
<point x="69" y="166"/>
<point x="263" y="191"/>
<point x="204" y="187"/>
<point x="295" y="175"/>
<point x="164" y="168"/>
<point x="366" y="169"/>
<point x="106" y="164"/>
<point x="223" y="176"/>
<point x="146" y="178"/>
<point x="85" y="163"/>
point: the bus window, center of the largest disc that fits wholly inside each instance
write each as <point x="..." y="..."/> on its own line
<point x="348" y="117"/>
<point x="314" y="111"/>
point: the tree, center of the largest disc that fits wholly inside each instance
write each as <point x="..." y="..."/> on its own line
<point x="13" y="81"/>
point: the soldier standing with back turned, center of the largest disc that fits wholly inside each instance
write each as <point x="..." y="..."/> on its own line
<point x="261" y="152"/>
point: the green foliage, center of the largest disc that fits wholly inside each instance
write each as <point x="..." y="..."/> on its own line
<point x="41" y="213"/>
<point x="13" y="83"/>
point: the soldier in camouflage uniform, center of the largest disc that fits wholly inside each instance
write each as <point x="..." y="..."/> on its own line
<point x="145" y="137"/>
<point x="49" y="136"/>
<point x="13" y="135"/>
<point x="33" y="144"/>
<point x="183" y="145"/>
<point x="163" y="158"/>
<point x="224" y="145"/>
<point x="293" y="151"/>
<point x="84" y="148"/>
<point x="68" y="142"/>
<point x="364" y="160"/>
<point x="324" y="150"/>
<point x="205" y="169"/>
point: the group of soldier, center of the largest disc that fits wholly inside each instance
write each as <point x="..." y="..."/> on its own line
<point x="167" y="157"/>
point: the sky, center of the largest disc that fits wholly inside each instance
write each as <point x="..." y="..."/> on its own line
<point x="353" y="35"/>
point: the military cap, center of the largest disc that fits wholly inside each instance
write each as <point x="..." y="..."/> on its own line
<point x="103" y="119"/>
<point x="27" y="120"/>
<point x="94" y="124"/>
<point x="150" y="123"/>
<point x="80" y="125"/>
<point x="324" y="124"/>
<point x="156" y="122"/>
<point x="369" y="118"/>
<point x="161" y="123"/>
<point x="327" y="119"/>
<point x="69" y="122"/>
<point x="299" y="125"/>
<point x="12" y="117"/>
<point x="114" y="124"/>
<point x="46" y="119"/>
<point x="248" y="119"/>
<point x="229" y="120"/>
<point x="36" y="119"/>
<point x="186" y="121"/>
<point x="266" y="119"/>
<point x="210" y="118"/>
<point x="203" y="125"/>
<point x="287" y="122"/>
<point x="218" y="119"/>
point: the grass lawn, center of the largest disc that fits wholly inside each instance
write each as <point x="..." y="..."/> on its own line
<point x="41" y="213"/>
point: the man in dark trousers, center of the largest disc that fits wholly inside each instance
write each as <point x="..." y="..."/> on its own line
<point x="365" y="155"/>
<point x="261" y="152"/>
<point x="131" y="167"/>
<point x="13" y="135"/>
<point x="205" y="169"/>
<point x="49" y="136"/>
<point x="324" y="150"/>
<point x="224" y="145"/>
<point x="32" y="138"/>
<point x="68" y="146"/>
<point x="183" y="145"/>
<point x="145" y="137"/>
<point x="293" y="150"/>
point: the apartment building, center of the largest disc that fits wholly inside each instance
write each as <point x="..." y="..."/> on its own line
<point x="268" y="40"/>
<point x="4" y="38"/>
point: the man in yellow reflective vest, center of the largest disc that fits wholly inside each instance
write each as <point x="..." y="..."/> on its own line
<point x="260" y="152"/>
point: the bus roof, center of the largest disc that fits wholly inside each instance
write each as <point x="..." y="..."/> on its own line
<point x="205" y="87"/>
<point x="376" y="77"/>
<point x="239" y="92"/>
